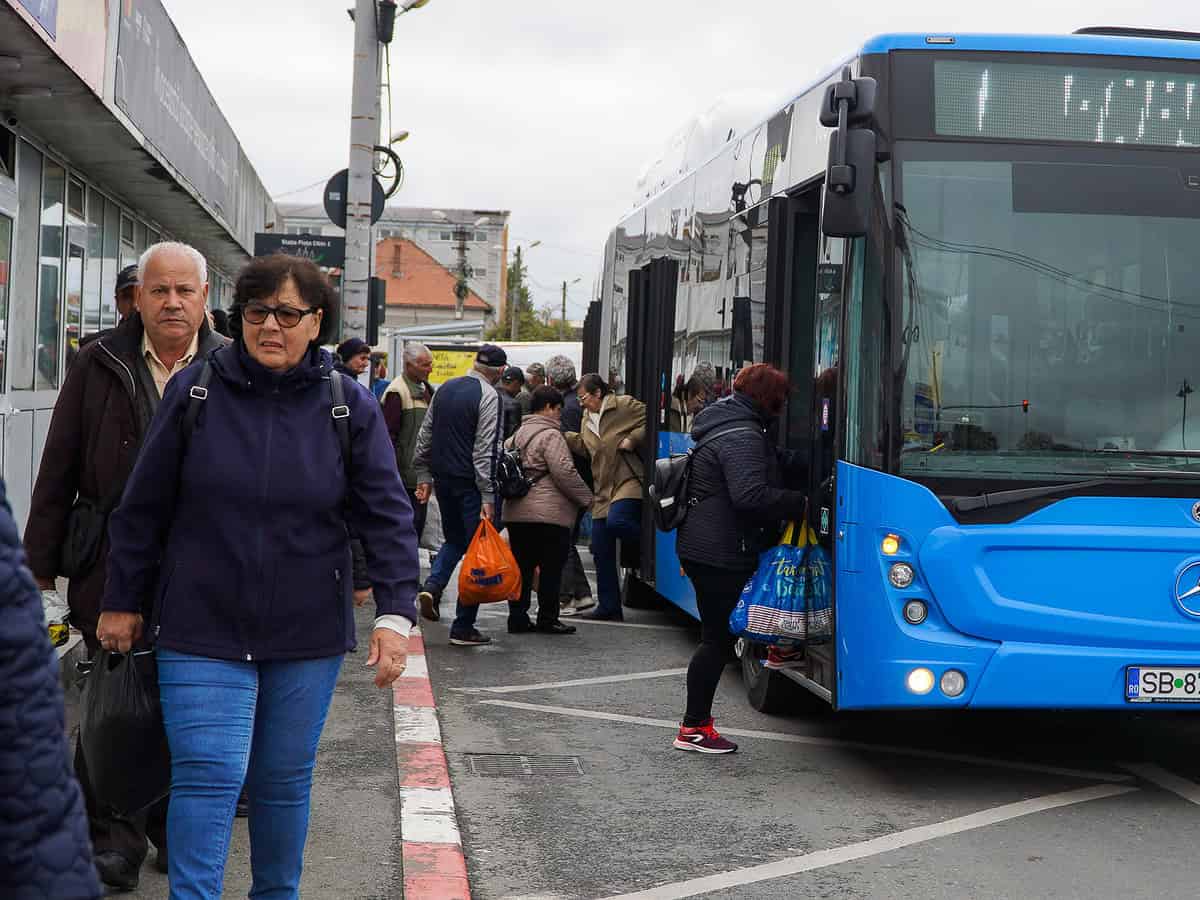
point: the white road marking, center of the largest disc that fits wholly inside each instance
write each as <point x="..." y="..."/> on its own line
<point x="1169" y="781"/>
<point x="415" y="667"/>
<point x="427" y="816"/>
<point x="832" y="743"/>
<point x="906" y="838"/>
<point x="416" y="725"/>
<point x="549" y="685"/>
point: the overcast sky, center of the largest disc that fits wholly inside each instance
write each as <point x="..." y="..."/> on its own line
<point x="550" y="108"/>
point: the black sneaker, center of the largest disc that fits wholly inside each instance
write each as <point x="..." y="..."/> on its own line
<point x="520" y="627"/>
<point x="118" y="874"/>
<point x="555" y="628"/>
<point x="429" y="599"/>
<point x="471" y="639"/>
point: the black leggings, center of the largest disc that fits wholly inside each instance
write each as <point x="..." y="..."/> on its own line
<point x="543" y="547"/>
<point x="717" y="592"/>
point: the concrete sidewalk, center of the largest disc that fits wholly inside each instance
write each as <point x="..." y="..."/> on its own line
<point x="354" y="836"/>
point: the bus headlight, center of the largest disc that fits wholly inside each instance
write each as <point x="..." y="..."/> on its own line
<point x="919" y="681"/>
<point x="915" y="612"/>
<point x="901" y="575"/>
<point x="954" y="682"/>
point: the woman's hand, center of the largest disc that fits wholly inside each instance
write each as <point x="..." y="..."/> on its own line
<point x="423" y="491"/>
<point x="389" y="650"/>
<point x="361" y="597"/>
<point x="626" y="444"/>
<point x="119" y="631"/>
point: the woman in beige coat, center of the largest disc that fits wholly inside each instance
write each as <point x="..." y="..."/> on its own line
<point x="613" y="431"/>
<point x="540" y="523"/>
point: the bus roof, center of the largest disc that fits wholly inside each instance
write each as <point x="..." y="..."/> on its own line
<point x="1103" y="45"/>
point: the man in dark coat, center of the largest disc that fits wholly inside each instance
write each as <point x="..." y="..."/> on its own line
<point x="43" y="828"/>
<point x="354" y="357"/>
<point x="110" y="394"/>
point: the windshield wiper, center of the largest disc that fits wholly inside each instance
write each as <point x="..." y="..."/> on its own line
<point x="1187" y="454"/>
<point x="1126" y="477"/>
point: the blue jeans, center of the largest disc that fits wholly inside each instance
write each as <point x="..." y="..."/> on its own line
<point x="460" y="504"/>
<point x="624" y="522"/>
<point x="230" y="723"/>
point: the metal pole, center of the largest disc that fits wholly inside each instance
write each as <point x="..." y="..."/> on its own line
<point x="364" y="131"/>
<point x="514" y="300"/>
<point x="562" y="327"/>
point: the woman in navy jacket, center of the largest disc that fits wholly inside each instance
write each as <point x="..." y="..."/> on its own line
<point x="233" y="539"/>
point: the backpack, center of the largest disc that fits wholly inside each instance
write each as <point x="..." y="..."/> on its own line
<point x="669" y="498"/>
<point x="512" y="483"/>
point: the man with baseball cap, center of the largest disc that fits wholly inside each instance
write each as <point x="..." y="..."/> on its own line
<point x="510" y="387"/>
<point x="456" y="457"/>
<point x="125" y="296"/>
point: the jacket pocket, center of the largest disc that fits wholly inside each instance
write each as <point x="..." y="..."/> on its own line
<point x="308" y="606"/>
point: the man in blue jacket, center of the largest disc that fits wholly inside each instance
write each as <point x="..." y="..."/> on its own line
<point x="456" y="456"/>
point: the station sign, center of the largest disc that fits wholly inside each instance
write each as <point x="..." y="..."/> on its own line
<point x="324" y="250"/>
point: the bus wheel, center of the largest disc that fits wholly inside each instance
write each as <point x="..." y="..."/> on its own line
<point x="769" y="692"/>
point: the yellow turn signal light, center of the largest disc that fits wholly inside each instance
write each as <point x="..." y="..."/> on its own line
<point x="890" y="545"/>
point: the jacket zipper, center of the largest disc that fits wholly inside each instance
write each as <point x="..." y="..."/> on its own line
<point x="118" y="361"/>
<point x="263" y="500"/>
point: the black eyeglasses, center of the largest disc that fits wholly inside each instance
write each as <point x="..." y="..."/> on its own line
<point x="286" y="316"/>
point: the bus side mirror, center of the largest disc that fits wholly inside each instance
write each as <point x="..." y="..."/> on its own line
<point x="849" y="105"/>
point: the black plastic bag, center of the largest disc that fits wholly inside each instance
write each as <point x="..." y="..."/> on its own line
<point x="121" y="732"/>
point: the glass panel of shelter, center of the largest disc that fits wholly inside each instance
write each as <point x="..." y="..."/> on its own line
<point x="50" y="280"/>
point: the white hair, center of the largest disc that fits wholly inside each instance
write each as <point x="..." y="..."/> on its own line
<point x="173" y="246"/>
<point x="414" y="350"/>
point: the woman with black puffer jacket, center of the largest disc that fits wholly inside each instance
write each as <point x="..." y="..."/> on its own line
<point x="737" y="482"/>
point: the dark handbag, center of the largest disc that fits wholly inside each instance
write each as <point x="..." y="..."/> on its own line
<point x="86" y="524"/>
<point x="121" y="732"/>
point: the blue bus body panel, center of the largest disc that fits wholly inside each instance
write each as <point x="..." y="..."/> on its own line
<point x="669" y="579"/>
<point x="1098" y="45"/>
<point x="1047" y="611"/>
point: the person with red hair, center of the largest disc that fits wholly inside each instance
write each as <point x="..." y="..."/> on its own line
<point x="737" y="486"/>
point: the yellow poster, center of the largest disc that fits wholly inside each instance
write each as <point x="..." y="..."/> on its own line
<point x="449" y="364"/>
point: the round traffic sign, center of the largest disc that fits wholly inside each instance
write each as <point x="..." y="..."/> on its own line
<point x="337" y="192"/>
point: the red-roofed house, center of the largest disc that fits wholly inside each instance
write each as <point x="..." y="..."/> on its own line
<point x="420" y="290"/>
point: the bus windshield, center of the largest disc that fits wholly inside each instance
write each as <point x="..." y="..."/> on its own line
<point x="1050" y="303"/>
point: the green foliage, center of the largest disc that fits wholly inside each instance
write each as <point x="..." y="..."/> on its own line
<point x="530" y="325"/>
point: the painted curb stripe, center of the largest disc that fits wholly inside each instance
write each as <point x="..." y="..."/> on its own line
<point x="432" y="855"/>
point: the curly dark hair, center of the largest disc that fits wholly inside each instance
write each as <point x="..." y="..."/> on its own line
<point x="263" y="276"/>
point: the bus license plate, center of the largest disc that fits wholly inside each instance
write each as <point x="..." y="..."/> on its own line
<point x="1159" y="685"/>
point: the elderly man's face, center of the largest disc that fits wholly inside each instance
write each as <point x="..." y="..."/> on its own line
<point x="126" y="302"/>
<point x="359" y="363"/>
<point x="533" y="381"/>
<point x="420" y="368"/>
<point x="172" y="299"/>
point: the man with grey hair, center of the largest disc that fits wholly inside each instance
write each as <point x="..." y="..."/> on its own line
<point x="456" y="457"/>
<point x="405" y="402"/>
<point x="108" y="398"/>
<point x="576" y="590"/>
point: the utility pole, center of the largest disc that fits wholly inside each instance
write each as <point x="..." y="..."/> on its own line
<point x="514" y="299"/>
<point x="562" y="328"/>
<point x="364" y="135"/>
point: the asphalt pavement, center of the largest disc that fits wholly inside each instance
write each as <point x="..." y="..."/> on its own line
<point x="573" y="790"/>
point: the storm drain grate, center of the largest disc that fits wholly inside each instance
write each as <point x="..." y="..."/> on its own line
<point x="499" y="765"/>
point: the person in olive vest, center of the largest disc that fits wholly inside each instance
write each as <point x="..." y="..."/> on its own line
<point x="405" y="402"/>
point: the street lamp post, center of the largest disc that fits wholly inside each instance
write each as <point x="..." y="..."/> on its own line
<point x="562" y="328"/>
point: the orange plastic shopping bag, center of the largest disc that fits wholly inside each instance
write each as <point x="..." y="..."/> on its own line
<point x="489" y="570"/>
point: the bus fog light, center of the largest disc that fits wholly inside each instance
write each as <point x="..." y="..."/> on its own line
<point x="915" y="612"/>
<point x="890" y="545"/>
<point x="919" y="681"/>
<point x="901" y="575"/>
<point x="954" y="682"/>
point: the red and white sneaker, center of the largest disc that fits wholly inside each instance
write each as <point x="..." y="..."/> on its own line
<point x="784" y="658"/>
<point x="703" y="739"/>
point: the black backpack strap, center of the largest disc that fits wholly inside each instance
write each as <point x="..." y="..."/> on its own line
<point x="341" y="416"/>
<point x="196" y="397"/>
<point x="712" y="437"/>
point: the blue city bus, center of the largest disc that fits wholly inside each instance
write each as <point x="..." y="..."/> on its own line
<point x="978" y="257"/>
